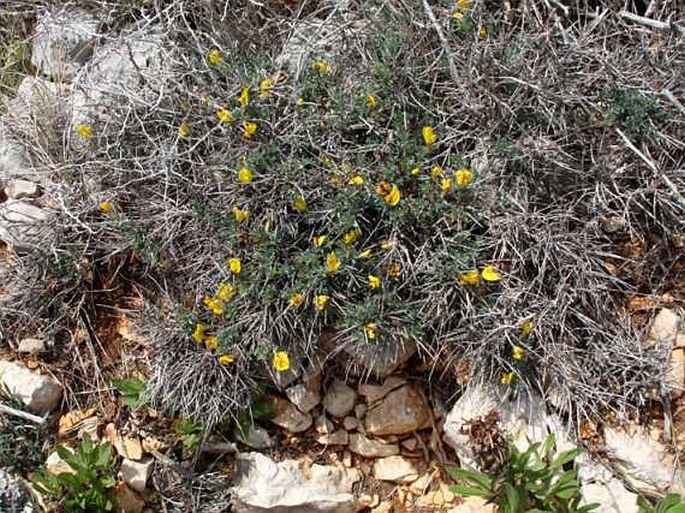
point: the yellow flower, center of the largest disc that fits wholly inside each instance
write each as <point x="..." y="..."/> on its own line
<point x="508" y="378"/>
<point x="464" y="4"/>
<point x="370" y="330"/>
<point x="320" y="240"/>
<point x="235" y="265"/>
<point x="216" y="306"/>
<point x="332" y="262"/>
<point x="214" y="57"/>
<point x="84" y="130"/>
<point x="446" y="184"/>
<point x="184" y="130"/>
<point x="527" y="328"/>
<point x="483" y="32"/>
<point x="300" y="101"/>
<point x="356" y="180"/>
<point x="199" y="332"/>
<point x="490" y="274"/>
<point x="265" y="88"/>
<point x="244" y="97"/>
<point x="371" y="101"/>
<point x="387" y="245"/>
<point x="518" y="353"/>
<point x="211" y="343"/>
<point x="457" y="14"/>
<point x="226" y="359"/>
<point x="364" y="254"/>
<point x="374" y="281"/>
<point x="394" y="270"/>
<point x="323" y="67"/>
<point x="244" y="175"/>
<point x="240" y="214"/>
<point x="468" y="278"/>
<point x="415" y="171"/>
<point x="464" y="177"/>
<point x="437" y="172"/>
<point x="224" y="116"/>
<point x="226" y="291"/>
<point x="300" y="204"/>
<point x="351" y="236"/>
<point x="106" y="207"/>
<point x="429" y="137"/>
<point x="296" y="300"/>
<point x="249" y="129"/>
<point x="204" y="101"/>
<point x="281" y="361"/>
<point x="321" y="301"/>
<point x="393" y="198"/>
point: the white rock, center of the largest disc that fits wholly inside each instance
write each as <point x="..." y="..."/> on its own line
<point x="20" y="189"/>
<point x="396" y="469"/>
<point x="257" y="438"/>
<point x="525" y="419"/>
<point x="647" y="466"/>
<point x="339" y="399"/>
<point x="22" y="224"/>
<point x="676" y="371"/>
<point x="290" y="418"/>
<point x="31" y="345"/>
<point x="56" y="465"/>
<point x="370" y="448"/>
<point x="664" y="328"/>
<point x="374" y="393"/>
<point x="350" y="423"/>
<point x="38" y="392"/>
<point x="339" y="437"/>
<point x="40" y="102"/>
<point x="401" y="411"/>
<point x="612" y="497"/>
<point x="126" y="71"/>
<point x="136" y="473"/>
<point x="14" y="156"/>
<point x="301" y="397"/>
<point x="63" y="42"/>
<point x="262" y="485"/>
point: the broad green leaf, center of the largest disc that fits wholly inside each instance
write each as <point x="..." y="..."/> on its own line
<point x="564" y="458"/>
<point x="468" y="491"/>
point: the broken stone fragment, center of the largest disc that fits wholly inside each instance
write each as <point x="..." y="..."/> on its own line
<point x="396" y="469"/>
<point x="402" y="411"/>
<point x="38" y="392"/>
<point x="340" y="399"/>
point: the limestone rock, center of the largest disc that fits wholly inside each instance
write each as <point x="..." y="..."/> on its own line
<point x="525" y="419"/>
<point x="381" y="360"/>
<point x="14" y="156"/>
<point x="56" y="465"/>
<point x="63" y="42"/>
<point x="646" y="465"/>
<point x="38" y="392"/>
<point x="290" y="418"/>
<point x="20" y="189"/>
<point x="135" y="474"/>
<point x="612" y="496"/>
<point x="370" y="448"/>
<point x="322" y="425"/>
<point x="126" y="446"/>
<point x="13" y="496"/>
<point x="339" y="399"/>
<point x="39" y="101"/>
<point x="401" y="411"/>
<point x="124" y="71"/>
<point x="301" y="397"/>
<point x="350" y="423"/>
<point x="257" y="438"/>
<point x="339" y="437"/>
<point x="664" y="328"/>
<point x="676" y="371"/>
<point x="262" y="485"/>
<point x="374" y="393"/>
<point x="22" y="224"/>
<point x="396" y="469"/>
<point x="31" y="345"/>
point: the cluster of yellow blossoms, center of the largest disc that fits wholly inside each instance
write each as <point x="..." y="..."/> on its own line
<point x="518" y="353"/>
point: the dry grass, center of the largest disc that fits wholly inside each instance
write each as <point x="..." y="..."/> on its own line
<point x="568" y="117"/>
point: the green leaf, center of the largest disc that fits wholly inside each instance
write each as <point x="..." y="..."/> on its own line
<point x="589" y="507"/>
<point x="513" y="497"/>
<point x="468" y="491"/>
<point x="477" y="478"/>
<point x="564" y="457"/>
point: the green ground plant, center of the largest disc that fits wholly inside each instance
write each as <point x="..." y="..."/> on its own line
<point x="671" y="503"/>
<point x="88" y="487"/>
<point x="534" y="480"/>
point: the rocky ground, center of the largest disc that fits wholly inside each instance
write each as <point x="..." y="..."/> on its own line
<point x="327" y="441"/>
